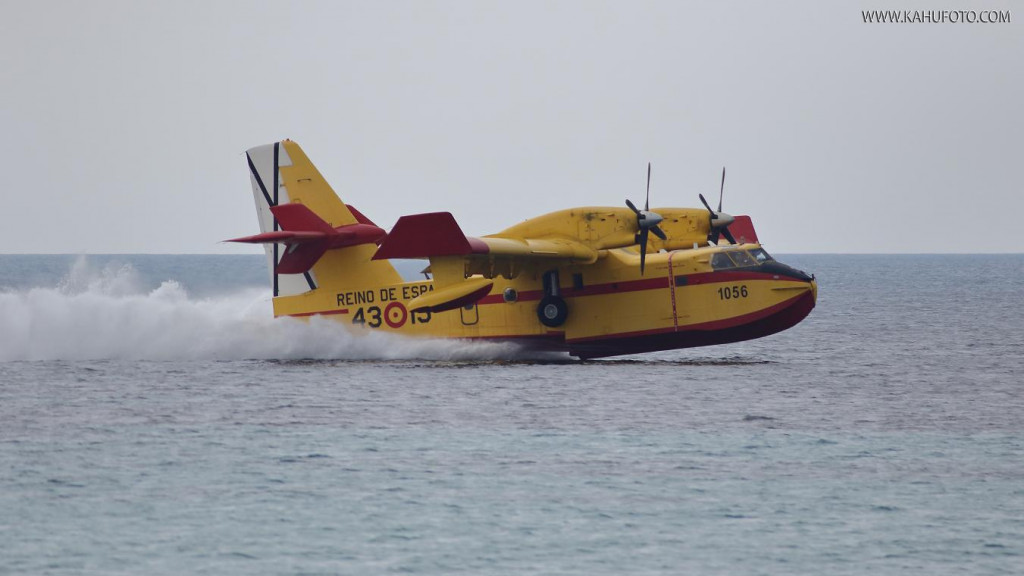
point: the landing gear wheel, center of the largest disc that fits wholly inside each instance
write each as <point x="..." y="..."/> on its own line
<point x="552" y="311"/>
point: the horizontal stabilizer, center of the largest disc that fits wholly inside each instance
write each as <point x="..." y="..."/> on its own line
<point x="427" y="235"/>
<point x="742" y="229"/>
<point x="452" y="296"/>
<point x="279" y="237"/>
<point x="307" y="237"/>
<point x="299" y="217"/>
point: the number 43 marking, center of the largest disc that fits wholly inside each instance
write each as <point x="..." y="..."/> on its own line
<point x="394" y="315"/>
<point x="375" y="317"/>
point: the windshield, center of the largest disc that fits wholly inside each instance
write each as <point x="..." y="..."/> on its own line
<point x="742" y="259"/>
<point x="760" y="255"/>
<point x="739" y="259"/>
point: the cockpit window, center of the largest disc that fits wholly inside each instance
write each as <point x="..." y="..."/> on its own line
<point x="739" y="259"/>
<point x="721" y="261"/>
<point x="742" y="259"/>
<point x="760" y="255"/>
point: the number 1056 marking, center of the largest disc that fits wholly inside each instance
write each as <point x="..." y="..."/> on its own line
<point x="730" y="292"/>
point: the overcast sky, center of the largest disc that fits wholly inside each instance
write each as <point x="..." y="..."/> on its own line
<point x="124" y="123"/>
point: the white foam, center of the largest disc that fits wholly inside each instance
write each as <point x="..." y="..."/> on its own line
<point x="103" y="314"/>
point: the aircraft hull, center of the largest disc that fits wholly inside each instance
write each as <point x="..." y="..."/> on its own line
<point x="662" y="312"/>
<point x="756" y="325"/>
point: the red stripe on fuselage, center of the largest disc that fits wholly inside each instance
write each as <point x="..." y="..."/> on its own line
<point x="639" y="285"/>
<point x="592" y="290"/>
<point x="324" y="313"/>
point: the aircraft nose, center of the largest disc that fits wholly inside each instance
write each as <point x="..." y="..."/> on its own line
<point x="814" y="289"/>
<point x="776" y="267"/>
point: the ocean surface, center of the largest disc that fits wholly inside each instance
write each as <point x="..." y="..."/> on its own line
<point x="154" y="419"/>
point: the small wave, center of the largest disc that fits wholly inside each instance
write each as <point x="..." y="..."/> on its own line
<point x="101" y="314"/>
<point x="730" y="361"/>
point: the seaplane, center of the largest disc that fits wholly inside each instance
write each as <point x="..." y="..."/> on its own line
<point x="592" y="281"/>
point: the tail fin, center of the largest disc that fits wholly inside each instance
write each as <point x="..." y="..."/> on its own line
<point x="326" y="245"/>
<point x="742" y="229"/>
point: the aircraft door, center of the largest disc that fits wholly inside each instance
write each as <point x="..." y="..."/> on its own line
<point x="470" y="314"/>
<point x="674" y="284"/>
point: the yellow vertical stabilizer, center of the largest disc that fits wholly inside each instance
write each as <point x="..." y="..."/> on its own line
<point x="281" y="174"/>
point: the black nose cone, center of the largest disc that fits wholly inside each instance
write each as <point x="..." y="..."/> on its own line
<point x="780" y="269"/>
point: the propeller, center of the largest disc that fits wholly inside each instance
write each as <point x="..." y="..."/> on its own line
<point x="646" y="222"/>
<point x="720" y="221"/>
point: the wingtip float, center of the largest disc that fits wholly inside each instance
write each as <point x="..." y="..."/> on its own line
<point x="591" y="281"/>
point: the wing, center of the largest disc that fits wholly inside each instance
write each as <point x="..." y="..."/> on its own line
<point x="437" y="234"/>
<point x="454" y="257"/>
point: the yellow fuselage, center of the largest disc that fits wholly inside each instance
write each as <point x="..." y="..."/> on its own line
<point x="680" y="301"/>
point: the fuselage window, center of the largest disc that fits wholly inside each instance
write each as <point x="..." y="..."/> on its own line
<point x="721" y="261"/>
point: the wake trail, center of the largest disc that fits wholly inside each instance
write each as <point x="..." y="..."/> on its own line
<point x="103" y="314"/>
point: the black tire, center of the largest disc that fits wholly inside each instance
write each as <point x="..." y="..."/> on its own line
<point x="552" y="311"/>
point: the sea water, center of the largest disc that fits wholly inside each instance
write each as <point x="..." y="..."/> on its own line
<point x="154" y="419"/>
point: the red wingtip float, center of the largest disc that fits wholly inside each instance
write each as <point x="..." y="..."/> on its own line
<point x="590" y="281"/>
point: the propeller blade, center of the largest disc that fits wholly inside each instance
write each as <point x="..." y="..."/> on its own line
<point x="721" y="190"/>
<point x="713" y="236"/>
<point x="643" y="249"/>
<point x="706" y="205"/>
<point x="647" y="202"/>
<point x="728" y="235"/>
<point x="659" y="233"/>
<point x="631" y="207"/>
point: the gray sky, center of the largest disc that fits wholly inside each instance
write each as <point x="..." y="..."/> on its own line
<point x="124" y="123"/>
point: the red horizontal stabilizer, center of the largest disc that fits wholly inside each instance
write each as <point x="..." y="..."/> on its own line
<point x="280" y="237"/>
<point x="742" y="229"/>
<point x="302" y="220"/>
<point x="299" y="217"/>
<point x="308" y="236"/>
<point x="426" y="235"/>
